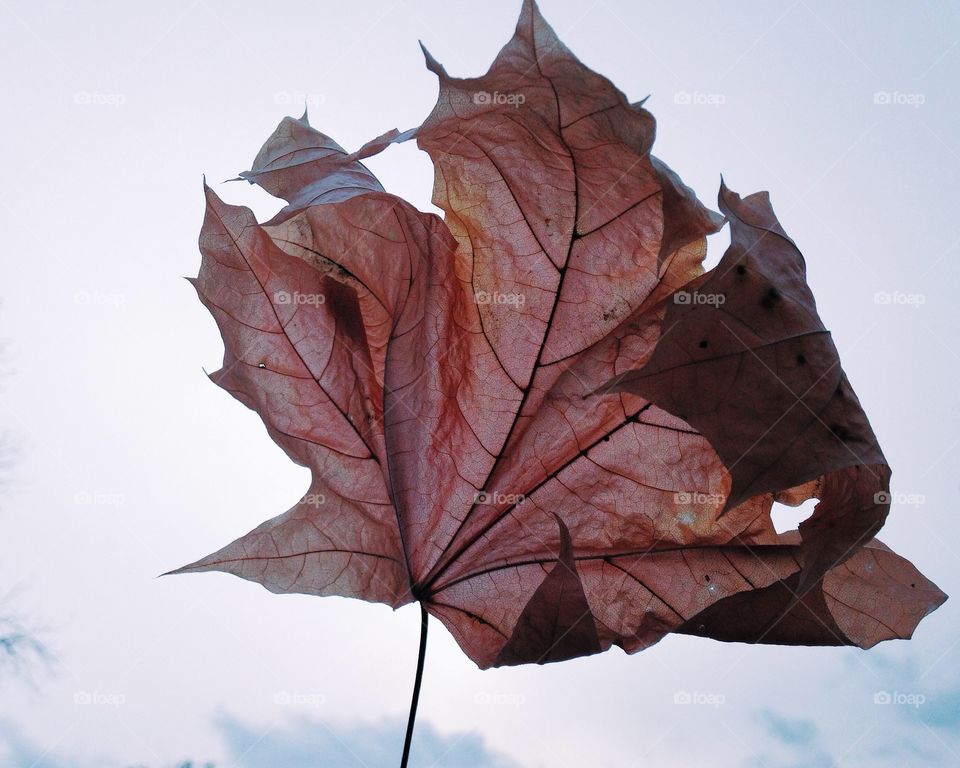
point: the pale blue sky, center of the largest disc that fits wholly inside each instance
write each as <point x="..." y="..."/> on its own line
<point x="130" y="462"/>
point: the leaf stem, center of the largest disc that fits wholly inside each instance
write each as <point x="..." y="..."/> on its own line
<point x="416" y="686"/>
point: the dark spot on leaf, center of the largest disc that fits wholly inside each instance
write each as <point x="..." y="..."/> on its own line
<point x="707" y="577"/>
<point x="801" y="360"/>
<point x="841" y="432"/>
<point x="770" y="298"/>
<point x="703" y="344"/>
<point x="741" y="270"/>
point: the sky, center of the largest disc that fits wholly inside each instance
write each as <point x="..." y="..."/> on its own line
<point x="127" y="461"/>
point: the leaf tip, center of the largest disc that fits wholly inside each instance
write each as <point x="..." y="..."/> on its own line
<point x="530" y="9"/>
<point x="727" y="199"/>
<point x="432" y="64"/>
<point x="209" y="195"/>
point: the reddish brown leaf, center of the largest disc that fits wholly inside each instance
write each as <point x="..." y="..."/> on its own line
<point x="874" y="595"/>
<point x="556" y="624"/>
<point x="753" y="369"/>
<point x="508" y="414"/>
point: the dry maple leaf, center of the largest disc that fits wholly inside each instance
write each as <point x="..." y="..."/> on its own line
<point x="538" y="417"/>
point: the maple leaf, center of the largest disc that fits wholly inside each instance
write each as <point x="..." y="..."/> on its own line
<point x="538" y="416"/>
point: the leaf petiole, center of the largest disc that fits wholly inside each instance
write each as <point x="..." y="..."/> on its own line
<point x="416" y="686"/>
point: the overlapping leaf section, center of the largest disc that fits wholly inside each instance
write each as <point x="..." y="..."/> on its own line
<point x="538" y="416"/>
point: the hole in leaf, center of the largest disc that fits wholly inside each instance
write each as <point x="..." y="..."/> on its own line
<point x="787" y="518"/>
